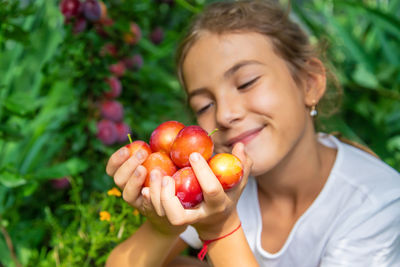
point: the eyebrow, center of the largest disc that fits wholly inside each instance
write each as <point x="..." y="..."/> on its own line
<point x="227" y="74"/>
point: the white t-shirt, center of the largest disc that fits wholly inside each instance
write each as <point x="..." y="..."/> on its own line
<point x="354" y="221"/>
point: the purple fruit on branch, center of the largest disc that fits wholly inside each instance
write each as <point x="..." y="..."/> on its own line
<point x="112" y="110"/>
<point x="79" y="25"/>
<point x="107" y="132"/>
<point x="92" y="10"/>
<point x="60" y="183"/>
<point x="118" y="69"/>
<point x="134" y="35"/>
<point x="115" y="87"/>
<point x="123" y="130"/>
<point x="157" y="35"/>
<point x="135" y="62"/>
<point x="109" y="49"/>
<point x="70" y="8"/>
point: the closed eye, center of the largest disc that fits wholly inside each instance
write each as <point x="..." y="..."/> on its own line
<point x="245" y="85"/>
<point x="203" y="109"/>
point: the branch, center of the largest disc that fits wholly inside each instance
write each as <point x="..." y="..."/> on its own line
<point x="9" y="243"/>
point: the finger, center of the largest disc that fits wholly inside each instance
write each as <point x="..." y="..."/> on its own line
<point x="146" y="194"/>
<point x="213" y="192"/>
<point x="239" y="151"/>
<point x="116" y="160"/>
<point x="146" y="206"/>
<point x="155" y="191"/>
<point x="172" y="206"/>
<point x="126" y="170"/>
<point x="133" y="187"/>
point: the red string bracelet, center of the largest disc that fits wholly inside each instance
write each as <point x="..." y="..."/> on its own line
<point x="204" y="249"/>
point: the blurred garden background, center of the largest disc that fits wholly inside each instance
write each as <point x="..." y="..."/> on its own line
<point x="77" y="75"/>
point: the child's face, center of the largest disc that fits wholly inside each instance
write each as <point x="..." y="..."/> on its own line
<point x="238" y="84"/>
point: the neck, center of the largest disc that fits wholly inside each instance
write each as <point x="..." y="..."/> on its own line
<point x="301" y="175"/>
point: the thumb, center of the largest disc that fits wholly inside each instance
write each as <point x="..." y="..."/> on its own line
<point x="239" y="151"/>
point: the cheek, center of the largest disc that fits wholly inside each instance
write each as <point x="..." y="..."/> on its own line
<point x="282" y="102"/>
<point x="206" y="122"/>
<point x="261" y="101"/>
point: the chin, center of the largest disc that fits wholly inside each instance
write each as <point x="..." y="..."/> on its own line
<point x="261" y="164"/>
<point x="221" y="149"/>
<point x="257" y="172"/>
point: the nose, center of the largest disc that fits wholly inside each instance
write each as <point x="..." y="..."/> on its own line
<point x="230" y="109"/>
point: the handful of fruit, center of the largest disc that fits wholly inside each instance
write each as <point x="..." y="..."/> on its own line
<point x="171" y="144"/>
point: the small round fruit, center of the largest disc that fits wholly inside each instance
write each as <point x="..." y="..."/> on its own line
<point x="227" y="168"/>
<point x="123" y="130"/>
<point x="157" y="35"/>
<point x="187" y="188"/>
<point x="136" y="145"/>
<point x="118" y="69"/>
<point x="134" y="35"/>
<point x="115" y="88"/>
<point x="134" y="62"/>
<point x="163" y="136"/>
<point x="191" y="139"/>
<point x="92" y="10"/>
<point x="112" y="110"/>
<point x="107" y="132"/>
<point x="70" y="8"/>
<point x="161" y="161"/>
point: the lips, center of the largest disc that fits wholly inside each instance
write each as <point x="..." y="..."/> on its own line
<point x="245" y="137"/>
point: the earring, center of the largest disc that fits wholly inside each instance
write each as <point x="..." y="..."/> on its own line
<point x="313" y="111"/>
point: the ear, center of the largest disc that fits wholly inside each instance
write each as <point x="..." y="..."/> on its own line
<point x="315" y="82"/>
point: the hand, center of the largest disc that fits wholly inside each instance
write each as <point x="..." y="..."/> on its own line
<point x="129" y="175"/>
<point x="217" y="214"/>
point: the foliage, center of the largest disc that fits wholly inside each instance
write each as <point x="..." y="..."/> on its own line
<point x="93" y="228"/>
<point x="364" y="41"/>
<point x="53" y="184"/>
<point x="52" y="84"/>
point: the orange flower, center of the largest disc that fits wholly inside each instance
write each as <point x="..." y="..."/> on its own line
<point x="135" y="212"/>
<point x="105" y="216"/>
<point x="114" y="192"/>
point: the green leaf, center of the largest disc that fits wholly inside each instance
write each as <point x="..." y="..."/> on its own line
<point x="364" y="77"/>
<point x="5" y="258"/>
<point x="10" y="132"/>
<point x="394" y="143"/>
<point x="70" y="167"/>
<point x="352" y="45"/>
<point x="6" y="199"/>
<point x="188" y="6"/>
<point x="21" y="103"/>
<point x="305" y="18"/>
<point x="11" y="179"/>
<point x="16" y="33"/>
<point x="387" y="22"/>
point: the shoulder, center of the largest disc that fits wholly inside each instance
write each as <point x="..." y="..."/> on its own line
<point x="367" y="189"/>
<point x="367" y="175"/>
<point x="368" y="218"/>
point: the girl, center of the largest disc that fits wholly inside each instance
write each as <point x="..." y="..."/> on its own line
<point x="310" y="200"/>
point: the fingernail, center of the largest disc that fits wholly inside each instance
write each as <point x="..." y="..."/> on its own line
<point x="123" y="152"/>
<point x="195" y="156"/>
<point x="153" y="176"/>
<point x="165" y="182"/>
<point x="140" y="154"/>
<point x="137" y="172"/>
<point x="145" y="191"/>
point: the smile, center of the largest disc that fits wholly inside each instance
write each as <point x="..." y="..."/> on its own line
<point x="245" y="137"/>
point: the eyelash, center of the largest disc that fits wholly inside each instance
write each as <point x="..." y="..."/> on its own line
<point x="245" y="85"/>
<point x="200" y="111"/>
<point x="241" y="87"/>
